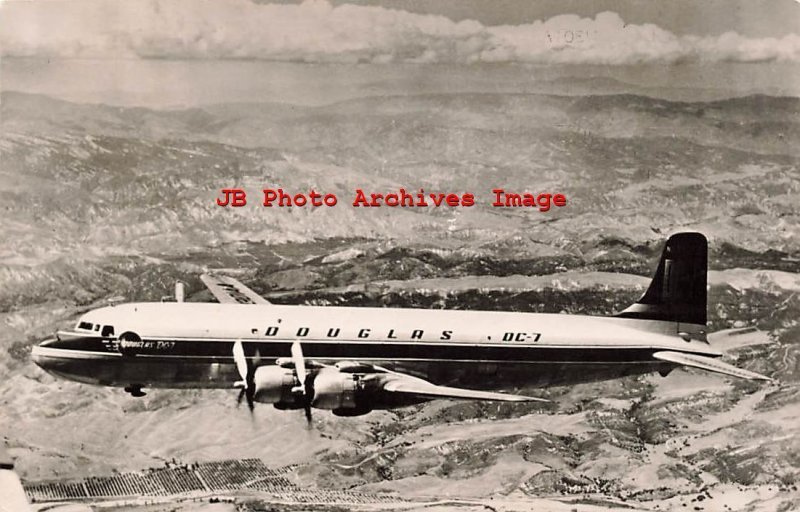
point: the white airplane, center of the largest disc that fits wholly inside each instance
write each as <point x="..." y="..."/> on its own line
<point x="353" y="360"/>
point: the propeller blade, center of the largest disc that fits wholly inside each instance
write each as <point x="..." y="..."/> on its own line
<point x="303" y="378"/>
<point x="251" y="404"/>
<point x="247" y="373"/>
<point x="307" y="398"/>
<point x="240" y="360"/>
<point x="299" y="366"/>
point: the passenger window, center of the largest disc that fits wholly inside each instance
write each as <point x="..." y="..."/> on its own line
<point x="97" y="327"/>
<point x="85" y="325"/>
<point x="108" y="330"/>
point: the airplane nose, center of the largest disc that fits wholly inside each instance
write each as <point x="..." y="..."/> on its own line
<point x="36" y="353"/>
<point x="77" y="357"/>
<point x="39" y="351"/>
<point x="49" y="342"/>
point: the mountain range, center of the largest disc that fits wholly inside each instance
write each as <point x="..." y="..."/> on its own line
<point x="102" y="201"/>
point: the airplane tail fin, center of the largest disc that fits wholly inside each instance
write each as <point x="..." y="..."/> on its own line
<point x="677" y="292"/>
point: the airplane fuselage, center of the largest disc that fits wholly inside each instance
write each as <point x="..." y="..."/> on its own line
<point x="353" y="360"/>
<point x="188" y="345"/>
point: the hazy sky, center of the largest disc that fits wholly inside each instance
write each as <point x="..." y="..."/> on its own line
<point x="752" y="18"/>
<point x="613" y="32"/>
<point x="190" y="52"/>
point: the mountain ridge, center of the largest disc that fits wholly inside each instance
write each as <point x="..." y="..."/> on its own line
<point x="106" y="202"/>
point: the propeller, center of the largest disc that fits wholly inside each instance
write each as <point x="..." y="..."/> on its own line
<point x="302" y="378"/>
<point x="247" y="372"/>
<point x="247" y="384"/>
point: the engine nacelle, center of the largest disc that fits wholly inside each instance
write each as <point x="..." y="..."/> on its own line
<point x="342" y="393"/>
<point x="335" y="390"/>
<point x="274" y="384"/>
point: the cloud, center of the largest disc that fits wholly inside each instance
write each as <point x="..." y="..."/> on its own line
<point x="315" y="31"/>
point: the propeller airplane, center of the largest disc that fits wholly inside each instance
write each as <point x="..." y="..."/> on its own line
<point x="352" y="360"/>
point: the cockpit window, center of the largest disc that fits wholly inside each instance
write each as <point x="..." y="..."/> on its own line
<point x="108" y="330"/>
<point x="85" y="325"/>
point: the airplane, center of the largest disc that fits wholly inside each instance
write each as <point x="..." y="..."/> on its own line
<point x="353" y="360"/>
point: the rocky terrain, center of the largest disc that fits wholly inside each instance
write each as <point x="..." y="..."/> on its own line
<point x="101" y="202"/>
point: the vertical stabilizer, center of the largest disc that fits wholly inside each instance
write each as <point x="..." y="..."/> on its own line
<point x="677" y="292"/>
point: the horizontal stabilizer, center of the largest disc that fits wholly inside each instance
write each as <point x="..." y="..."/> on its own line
<point x="709" y="364"/>
<point x="421" y="388"/>
<point x="228" y="290"/>
<point x="733" y="339"/>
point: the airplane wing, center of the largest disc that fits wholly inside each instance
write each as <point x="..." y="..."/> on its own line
<point x="12" y="495"/>
<point x="709" y="364"/>
<point x="228" y="290"/>
<point x="407" y="385"/>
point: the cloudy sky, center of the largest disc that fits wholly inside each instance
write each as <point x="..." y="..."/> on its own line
<point x="171" y="53"/>
<point x="752" y="18"/>
<point x="612" y="32"/>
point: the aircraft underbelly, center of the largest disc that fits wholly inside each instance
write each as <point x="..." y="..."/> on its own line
<point x="183" y="371"/>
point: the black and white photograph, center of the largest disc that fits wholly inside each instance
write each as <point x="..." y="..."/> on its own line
<point x="399" y="255"/>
